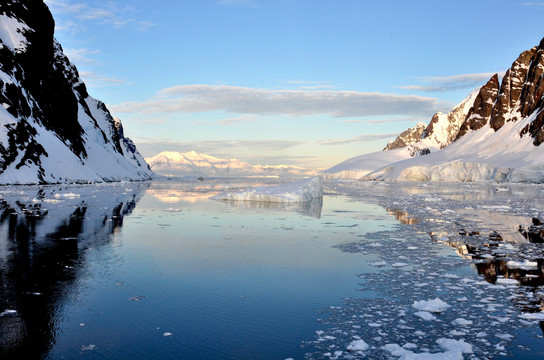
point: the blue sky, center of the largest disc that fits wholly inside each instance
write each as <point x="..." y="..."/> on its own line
<point x="302" y="82"/>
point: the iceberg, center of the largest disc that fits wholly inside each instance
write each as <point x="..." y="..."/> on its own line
<point x="305" y="190"/>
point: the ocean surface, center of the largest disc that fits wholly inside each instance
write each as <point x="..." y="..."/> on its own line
<point x="159" y="271"/>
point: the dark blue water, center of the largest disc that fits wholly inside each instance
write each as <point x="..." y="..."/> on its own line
<point x="159" y="271"/>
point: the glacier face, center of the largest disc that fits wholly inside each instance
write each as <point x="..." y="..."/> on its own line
<point x="51" y="130"/>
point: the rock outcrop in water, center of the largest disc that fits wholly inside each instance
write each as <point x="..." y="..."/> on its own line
<point x="51" y="130"/>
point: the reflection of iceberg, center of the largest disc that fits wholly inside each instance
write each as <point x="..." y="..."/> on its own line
<point x="295" y="192"/>
<point x="311" y="208"/>
<point x="44" y="234"/>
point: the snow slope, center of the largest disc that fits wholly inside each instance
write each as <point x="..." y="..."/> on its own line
<point x="51" y="130"/>
<point x="193" y="164"/>
<point x="359" y="166"/>
<point x="494" y="134"/>
<point x="482" y="155"/>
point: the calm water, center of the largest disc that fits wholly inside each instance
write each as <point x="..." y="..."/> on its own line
<point x="157" y="270"/>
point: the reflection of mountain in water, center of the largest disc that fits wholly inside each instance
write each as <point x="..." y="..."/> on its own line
<point x="503" y="256"/>
<point x="44" y="232"/>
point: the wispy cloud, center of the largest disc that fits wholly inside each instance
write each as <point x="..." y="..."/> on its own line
<point x="360" y="138"/>
<point x="380" y="121"/>
<point x="449" y="83"/>
<point x="243" y="100"/>
<point x="152" y="146"/>
<point x="111" y="13"/>
<point x="96" y="80"/>
<point x="79" y="56"/>
<point x="233" y="121"/>
<point x="538" y="4"/>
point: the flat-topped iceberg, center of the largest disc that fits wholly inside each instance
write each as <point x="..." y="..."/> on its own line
<point x="295" y="192"/>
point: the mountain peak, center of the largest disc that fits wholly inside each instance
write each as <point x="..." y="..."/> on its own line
<point x="194" y="164"/>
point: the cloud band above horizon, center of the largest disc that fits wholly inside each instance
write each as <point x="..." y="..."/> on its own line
<point x="244" y="100"/>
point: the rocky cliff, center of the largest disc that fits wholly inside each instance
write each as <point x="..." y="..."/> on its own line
<point x="51" y="130"/>
<point x="494" y="134"/>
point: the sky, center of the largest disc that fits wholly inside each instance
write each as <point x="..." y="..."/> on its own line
<point x="298" y="82"/>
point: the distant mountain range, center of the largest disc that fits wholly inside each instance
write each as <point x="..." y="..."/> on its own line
<point x="193" y="164"/>
<point x="51" y="130"/>
<point x="494" y="134"/>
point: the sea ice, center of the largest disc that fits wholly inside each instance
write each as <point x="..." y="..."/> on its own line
<point x="357" y="345"/>
<point x="425" y="315"/>
<point x="434" y="305"/>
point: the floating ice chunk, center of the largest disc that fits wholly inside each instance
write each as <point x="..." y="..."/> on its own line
<point x="378" y="263"/>
<point x="299" y="191"/>
<point x="167" y="334"/>
<point x="172" y="210"/>
<point x="526" y="265"/>
<point x="357" y="345"/>
<point x="67" y="196"/>
<point x="8" y="312"/>
<point x="409" y="346"/>
<point x="433" y="305"/>
<point x="455" y="345"/>
<point x="461" y="322"/>
<point x="457" y="333"/>
<point x="504" y="336"/>
<point x="502" y="281"/>
<point x="532" y="316"/>
<point x="88" y="347"/>
<point x="396" y="350"/>
<point x="399" y="264"/>
<point x="425" y="315"/>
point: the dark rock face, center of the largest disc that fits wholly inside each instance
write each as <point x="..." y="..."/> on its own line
<point x="407" y="137"/>
<point x="520" y="95"/>
<point x="41" y="89"/>
<point x="39" y="70"/>
<point x="480" y="113"/>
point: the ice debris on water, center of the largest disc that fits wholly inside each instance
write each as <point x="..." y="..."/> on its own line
<point x="435" y="305"/>
<point x="478" y="313"/>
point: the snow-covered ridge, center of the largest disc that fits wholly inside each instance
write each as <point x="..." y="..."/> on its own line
<point x="494" y="134"/>
<point x="193" y="164"/>
<point x="60" y="135"/>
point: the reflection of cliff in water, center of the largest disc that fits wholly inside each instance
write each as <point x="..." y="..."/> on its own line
<point x="511" y="252"/>
<point x="44" y="232"/>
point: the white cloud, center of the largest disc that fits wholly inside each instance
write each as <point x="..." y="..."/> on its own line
<point x="360" y="138"/>
<point x="232" y="121"/>
<point x="453" y="82"/>
<point x="78" y="56"/>
<point x="380" y="121"/>
<point x="243" y="100"/>
<point x="96" y="80"/>
<point x="110" y="12"/>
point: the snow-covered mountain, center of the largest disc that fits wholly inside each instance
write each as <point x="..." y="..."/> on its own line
<point x="193" y="164"/>
<point x="494" y="134"/>
<point x="51" y="130"/>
